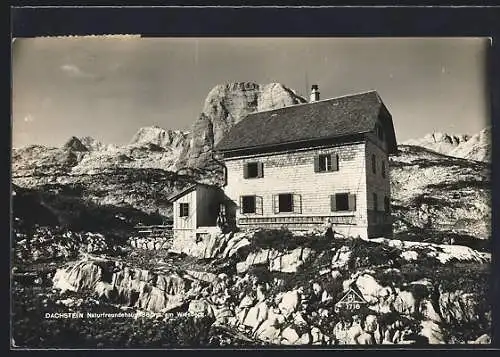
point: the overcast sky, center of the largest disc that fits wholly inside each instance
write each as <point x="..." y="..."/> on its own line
<point x="109" y="88"/>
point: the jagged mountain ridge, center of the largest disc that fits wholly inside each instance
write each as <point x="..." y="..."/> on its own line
<point x="153" y="149"/>
<point x="476" y="147"/>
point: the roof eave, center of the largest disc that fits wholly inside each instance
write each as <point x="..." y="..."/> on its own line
<point x="282" y="144"/>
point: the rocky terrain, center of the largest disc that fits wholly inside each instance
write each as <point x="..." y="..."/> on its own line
<point x="261" y="290"/>
<point x="440" y="198"/>
<point x="75" y="247"/>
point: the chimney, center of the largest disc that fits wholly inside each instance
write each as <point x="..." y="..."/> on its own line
<point x="314" y="93"/>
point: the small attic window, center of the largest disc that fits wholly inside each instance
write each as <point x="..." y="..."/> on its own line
<point x="380" y="132"/>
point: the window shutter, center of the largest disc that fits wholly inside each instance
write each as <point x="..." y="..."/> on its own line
<point x="352" y="202"/>
<point x="245" y="170"/>
<point x="316" y="164"/>
<point x="260" y="169"/>
<point x="180" y="209"/>
<point x="276" y="203"/>
<point x="297" y="203"/>
<point x="333" y="203"/>
<point x="258" y="205"/>
<point x="334" y="159"/>
<point x="241" y="204"/>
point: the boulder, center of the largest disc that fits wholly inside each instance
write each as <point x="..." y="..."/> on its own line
<point x="289" y="302"/>
<point x="482" y="340"/>
<point x="200" y="308"/>
<point x="290" y="336"/>
<point x="379" y="298"/>
<point x="256" y="315"/>
<point x="428" y="311"/>
<point x="341" y="257"/>
<point x="459" y="306"/>
<point x="432" y="331"/>
<point x="291" y="261"/>
<point x="105" y="291"/>
<point x="405" y="303"/>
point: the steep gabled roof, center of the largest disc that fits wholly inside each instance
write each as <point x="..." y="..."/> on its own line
<point x="189" y="189"/>
<point x="325" y="119"/>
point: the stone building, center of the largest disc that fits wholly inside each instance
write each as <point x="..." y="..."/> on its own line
<point x="307" y="165"/>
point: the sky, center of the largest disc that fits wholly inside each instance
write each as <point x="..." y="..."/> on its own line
<point x="108" y="88"/>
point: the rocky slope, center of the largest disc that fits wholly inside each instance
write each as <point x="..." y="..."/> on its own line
<point x="437" y="196"/>
<point x="156" y="162"/>
<point x="291" y="301"/>
<point x="476" y="147"/>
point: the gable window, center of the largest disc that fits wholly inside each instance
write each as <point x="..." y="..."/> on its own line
<point x="253" y="170"/>
<point x="375" y="199"/>
<point x="183" y="209"/>
<point x="326" y="163"/>
<point x="374" y="164"/>
<point x="383" y="169"/>
<point x="387" y="204"/>
<point x="343" y="202"/>
<point x="380" y="132"/>
<point x="248" y="204"/>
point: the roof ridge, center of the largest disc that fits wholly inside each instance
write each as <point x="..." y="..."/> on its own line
<point x="317" y="101"/>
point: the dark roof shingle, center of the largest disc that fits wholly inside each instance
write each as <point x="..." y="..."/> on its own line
<point x="331" y="118"/>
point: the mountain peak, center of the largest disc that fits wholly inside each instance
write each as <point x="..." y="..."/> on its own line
<point x="472" y="147"/>
<point x="157" y="136"/>
<point x="75" y="144"/>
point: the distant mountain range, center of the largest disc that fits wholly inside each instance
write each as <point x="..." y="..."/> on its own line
<point x="448" y="173"/>
<point x="476" y="147"/>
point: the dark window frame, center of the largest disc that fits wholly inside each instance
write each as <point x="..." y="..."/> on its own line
<point x="387" y="205"/>
<point x="326" y="163"/>
<point x="343" y="202"/>
<point x="256" y="171"/>
<point x="383" y="169"/>
<point x="374" y="164"/>
<point x="246" y="197"/>
<point x="183" y="209"/>
<point x="289" y="203"/>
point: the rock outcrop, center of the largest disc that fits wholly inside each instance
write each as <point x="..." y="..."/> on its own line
<point x="226" y="105"/>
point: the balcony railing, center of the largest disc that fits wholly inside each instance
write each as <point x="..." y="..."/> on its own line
<point x="297" y="220"/>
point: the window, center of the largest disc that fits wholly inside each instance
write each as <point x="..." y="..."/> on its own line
<point x="326" y="163"/>
<point x="387" y="204"/>
<point x="383" y="169"/>
<point x="287" y="202"/>
<point x="374" y="164"/>
<point x="183" y="209"/>
<point x="375" y="198"/>
<point x="253" y="170"/>
<point x="343" y="202"/>
<point x="248" y="204"/>
<point x="380" y="132"/>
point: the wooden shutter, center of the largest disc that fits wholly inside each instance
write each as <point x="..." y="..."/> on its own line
<point x="276" y="203"/>
<point x="316" y="164"/>
<point x="352" y="202"/>
<point x="297" y="203"/>
<point x="334" y="159"/>
<point x="258" y="205"/>
<point x="333" y="203"/>
<point x="260" y="169"/>
<point x="245" y="170"/>
<point x="241" y="204"/>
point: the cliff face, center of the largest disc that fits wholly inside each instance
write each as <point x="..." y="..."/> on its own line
<point x="225" y="106"/>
